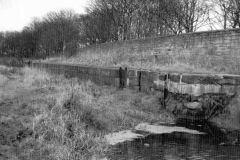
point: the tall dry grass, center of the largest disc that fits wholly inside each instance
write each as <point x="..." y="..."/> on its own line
<point x="126" y="54"/>
<point x="11" y="62"/>
<point x="53" y="110"/>
<point x="59" y="126"/>
<point x="140" y="61"/>
<point x="63" y="118"/>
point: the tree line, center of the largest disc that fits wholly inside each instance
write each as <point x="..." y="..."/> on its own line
<point x="65" y="31"/>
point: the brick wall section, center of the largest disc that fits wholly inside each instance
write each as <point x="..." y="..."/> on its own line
<point x="219" y="50"/>
<point x="193" y="84"/>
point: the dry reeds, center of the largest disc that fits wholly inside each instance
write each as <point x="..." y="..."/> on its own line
<point x="63" y="118"/>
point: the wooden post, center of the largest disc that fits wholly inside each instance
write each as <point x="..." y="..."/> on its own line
<point x="125" y="78"/>
<point x="29" y="63"/>
<point x="120" y="77"/>
<point x="139" y="80"/>
<point x="165" y="92"/>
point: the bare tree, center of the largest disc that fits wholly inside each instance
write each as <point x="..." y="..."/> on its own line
<point x="112" y="20"/>
<point x="226" y="13"/>
<point x="235" y="14"/>
<point x="1" y="43"/>
<point x="186" y="15"/>
<point x="221" y="13"/>
<point x="59" y="32"/>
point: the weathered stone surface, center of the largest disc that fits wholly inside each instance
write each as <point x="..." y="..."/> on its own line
<point x="200" y="99"/>
<point x="154" y="80"/>
<point x="179" y="106"/>
<point x="216" y="79"/>
<point x="184" y="111"/>
<point x="171" y="107"/>
<point x="212" y="49"/>
<point x="193" y="105"/>
<point x="198" y="89"/>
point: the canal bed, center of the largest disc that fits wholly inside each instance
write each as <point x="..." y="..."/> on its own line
<point x="180" y="141"/>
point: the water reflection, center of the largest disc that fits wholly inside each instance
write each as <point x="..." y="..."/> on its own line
<point x="177" y="146"/>
<point x="174" y="146"/>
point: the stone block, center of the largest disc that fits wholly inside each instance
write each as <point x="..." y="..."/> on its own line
<point x="179" y="107"/>
<point x="193" y="105"/>
<point x="171" y="107"/>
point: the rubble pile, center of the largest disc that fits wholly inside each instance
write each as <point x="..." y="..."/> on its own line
<point x="205" y="106"/>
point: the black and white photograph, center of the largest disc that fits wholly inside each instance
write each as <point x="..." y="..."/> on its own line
<point x="119" y="79"/>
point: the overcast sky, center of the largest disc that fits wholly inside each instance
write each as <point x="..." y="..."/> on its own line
<point x="15" y="14"/>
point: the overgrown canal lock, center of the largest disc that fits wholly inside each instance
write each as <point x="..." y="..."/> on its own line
<point x="193" y="98"/>
<point x="195" y="95"/>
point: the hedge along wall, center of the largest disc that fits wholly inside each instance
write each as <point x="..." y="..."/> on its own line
<point x="216" y="50"/>
<point x="144" y="80"/>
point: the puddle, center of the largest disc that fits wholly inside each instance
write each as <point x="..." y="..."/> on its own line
<point x="118" y="137"/>
<point x="181" y="142"/>
<point x="160" y="129"/>
<point x="129" y="135"/>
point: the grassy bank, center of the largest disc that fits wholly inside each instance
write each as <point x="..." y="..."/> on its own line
<point x="147" y="54"/>
<point x="134" y="61"/>
<point x="11" y="61"/>
<point x="50" y="117"/>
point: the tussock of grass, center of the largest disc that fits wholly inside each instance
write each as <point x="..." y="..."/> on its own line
<point x="4" y="70"/>
<point x="60" y="118"/>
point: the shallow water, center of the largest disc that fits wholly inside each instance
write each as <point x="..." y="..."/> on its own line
<point x="178" y="146"/>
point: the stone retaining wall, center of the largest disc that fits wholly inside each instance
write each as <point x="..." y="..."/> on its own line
<point x="144" y="80"/>
<point x="200" y="96"/>
<point x="216" y="50"/>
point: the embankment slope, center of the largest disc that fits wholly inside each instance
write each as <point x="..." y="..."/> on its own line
<point x="211" y="51"/>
